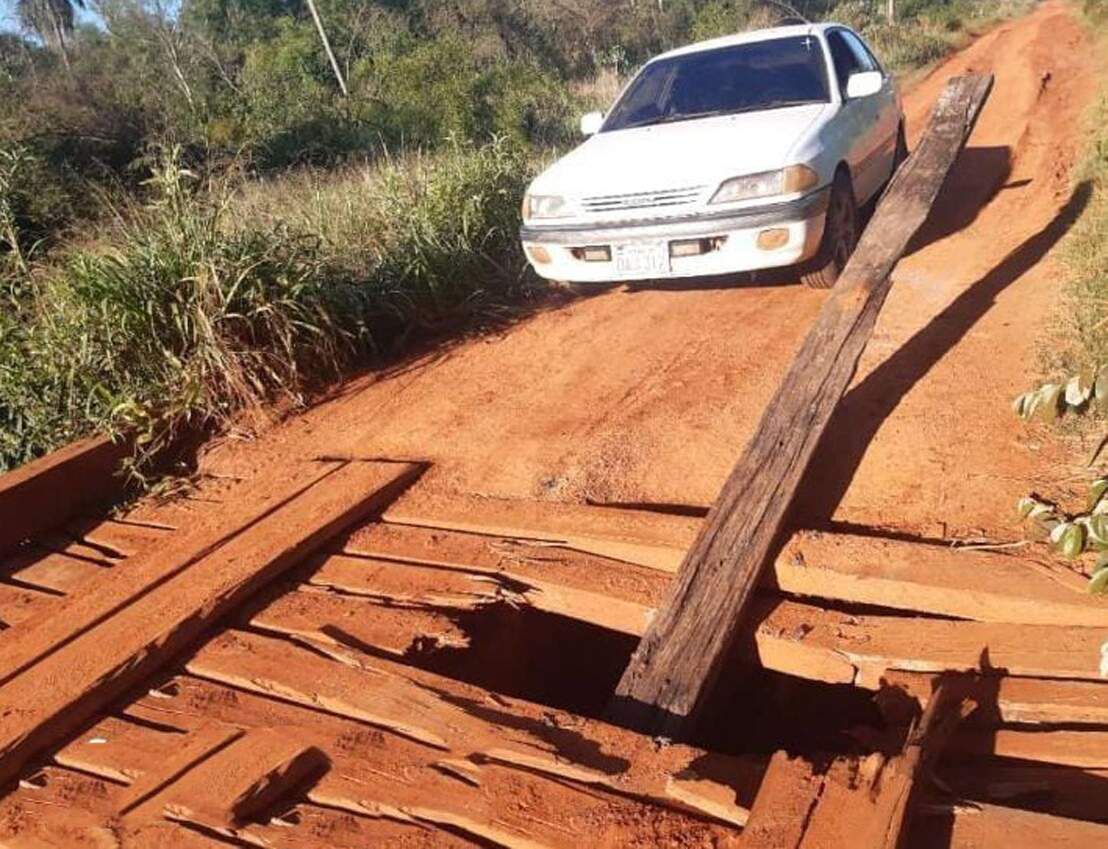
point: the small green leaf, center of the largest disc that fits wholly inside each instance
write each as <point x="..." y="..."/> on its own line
<point x="1096" y="491"/>
<point x="1049" y="395"/>
<point x="1025" y="506"/>
<point x="1098" y="531"/>
<point x="1100" y="388"/>
<point x="1042" y="513"/>
<point x="1075" y="394"/>
<point x="1098" y="584"/>
<point x="1069" y="539"/>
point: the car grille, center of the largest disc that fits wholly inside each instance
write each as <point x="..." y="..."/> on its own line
<point x="661" y="199"/>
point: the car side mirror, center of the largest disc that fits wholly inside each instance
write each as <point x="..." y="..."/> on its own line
<point x="591" y="123"/>
<point x="864" y="84"/>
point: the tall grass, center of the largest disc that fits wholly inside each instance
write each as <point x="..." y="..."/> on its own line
<point x="192" y="313"/>
<point x="1083" y="337"/>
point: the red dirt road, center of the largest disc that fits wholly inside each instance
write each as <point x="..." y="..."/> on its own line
<point x="648" y="395"/>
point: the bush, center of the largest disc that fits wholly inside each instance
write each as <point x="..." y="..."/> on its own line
<point x="190" y="317"/>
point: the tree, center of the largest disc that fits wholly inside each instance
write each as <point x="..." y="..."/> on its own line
<point x="52" y="20"/>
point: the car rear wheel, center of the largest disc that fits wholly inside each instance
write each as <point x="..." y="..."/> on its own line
<point x="840" y="235"/>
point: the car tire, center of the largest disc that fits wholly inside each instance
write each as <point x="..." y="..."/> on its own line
<point x="840" y="235"/>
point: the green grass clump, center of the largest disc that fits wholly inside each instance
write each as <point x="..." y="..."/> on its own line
<point x="191" y="315"/>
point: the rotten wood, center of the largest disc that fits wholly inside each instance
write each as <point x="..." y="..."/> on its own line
<point x="154" y="625"/>
<point x="686" y="647"/>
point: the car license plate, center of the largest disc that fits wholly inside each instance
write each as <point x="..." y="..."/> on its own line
<point x="643" y="259"/>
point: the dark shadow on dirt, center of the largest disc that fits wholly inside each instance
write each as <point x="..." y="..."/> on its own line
<point x="978" y="174"/>
<point x="866" y="406"/>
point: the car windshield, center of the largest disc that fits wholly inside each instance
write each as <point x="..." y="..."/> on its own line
<point x="742" y="78"/>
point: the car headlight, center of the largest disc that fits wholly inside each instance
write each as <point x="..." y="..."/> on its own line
<point x="795" y="178"/>
<point x="544" y="206"/>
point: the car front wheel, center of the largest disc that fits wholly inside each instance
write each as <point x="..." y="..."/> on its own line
<point x="840" y="235"/>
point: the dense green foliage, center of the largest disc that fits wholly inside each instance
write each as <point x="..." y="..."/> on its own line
<point x="195" y="218"/>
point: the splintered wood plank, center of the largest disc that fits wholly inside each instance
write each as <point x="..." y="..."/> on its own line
<point x="1021" y="700"/>
<point x="458" y="721"/>
<point x="683" y="652"/>
<point x="415" y="585"/>
<point x="377" y="606"/>
<point x="840" y="648"/>
<point x="153" y="625"/>
<point x="635" y="536"/>
<point x="538" y="560"/>
<point x="982" y="585"/>
<point x="986" y="586"/>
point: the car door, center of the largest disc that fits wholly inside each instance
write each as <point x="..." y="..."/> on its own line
<point x="881" y="110"/>
<point x="860" y="118"/>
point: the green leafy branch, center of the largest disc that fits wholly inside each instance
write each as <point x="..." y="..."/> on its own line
<point x="1082" y="392"/>
<point x="1071" y="536"/>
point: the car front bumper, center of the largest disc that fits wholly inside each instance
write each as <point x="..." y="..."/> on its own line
<point x="730" y="242"/>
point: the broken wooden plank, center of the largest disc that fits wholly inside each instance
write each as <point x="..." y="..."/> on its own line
<point x="681" y="655"/>
<point x="842" y="648"/>
<point x="407" y="703"/>
<point x="153" y="626"/>
<point x="395" y="606"/>
<point x="49" y="491"/>
<point x="1020" y="700"/>
<point x="986" y="586"/>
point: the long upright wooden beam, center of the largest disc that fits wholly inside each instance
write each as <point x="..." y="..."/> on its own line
<point x="679" y="658"/>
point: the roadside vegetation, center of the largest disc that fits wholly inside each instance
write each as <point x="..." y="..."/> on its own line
<point x="200" y="214"/>
<point x="1077" y="353"/>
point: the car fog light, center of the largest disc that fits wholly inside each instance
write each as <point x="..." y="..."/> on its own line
<point x="688" y="247"/>
<point x="538" y="254"/>
<point x="769" y="240"/>
<point x="594" y="253"/>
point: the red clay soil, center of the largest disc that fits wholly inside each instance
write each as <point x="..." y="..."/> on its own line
<point x="649" y="394"/>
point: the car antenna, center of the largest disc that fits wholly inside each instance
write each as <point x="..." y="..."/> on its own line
<point x="794" y="17"/>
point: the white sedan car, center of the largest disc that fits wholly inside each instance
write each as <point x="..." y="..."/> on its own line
<point x="746" y="152"/>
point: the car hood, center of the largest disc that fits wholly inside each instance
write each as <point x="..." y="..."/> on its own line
<point x="681" y="155"/>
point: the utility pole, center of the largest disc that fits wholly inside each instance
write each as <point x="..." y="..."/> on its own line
<point x="330" y="53"/>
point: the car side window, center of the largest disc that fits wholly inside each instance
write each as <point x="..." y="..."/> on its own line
<point x="843" y="58"/>
<point x="862" y="54"/>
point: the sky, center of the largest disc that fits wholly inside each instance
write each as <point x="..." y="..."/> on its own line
<point x="10" y="23"/>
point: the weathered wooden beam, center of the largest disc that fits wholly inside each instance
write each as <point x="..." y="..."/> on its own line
<point x="49" y="491"/>
<point x="680" y="657"/>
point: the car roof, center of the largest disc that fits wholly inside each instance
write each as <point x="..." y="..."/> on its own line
<point x="749" y="37"/>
